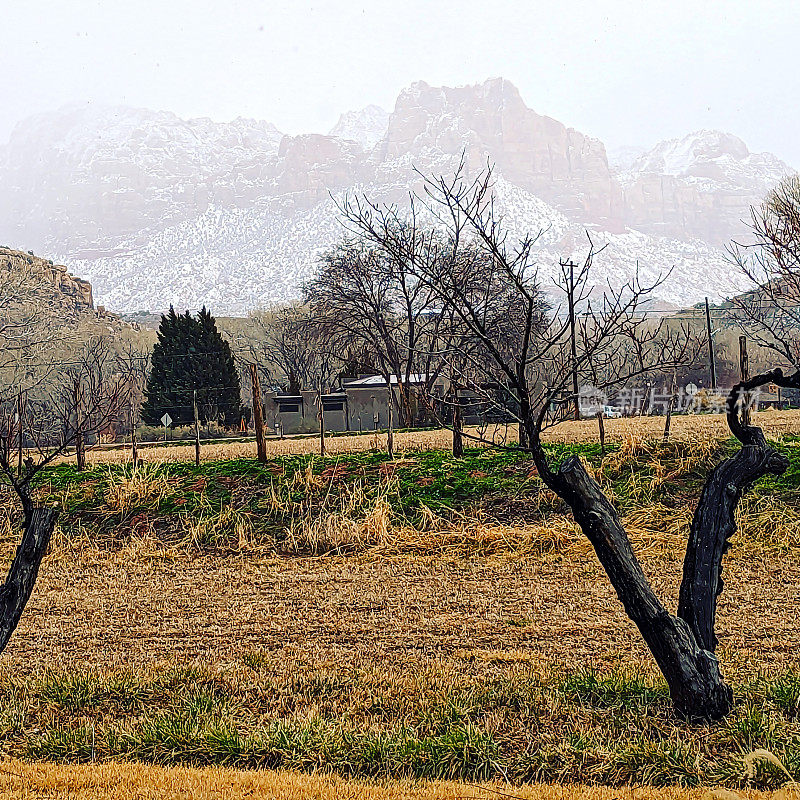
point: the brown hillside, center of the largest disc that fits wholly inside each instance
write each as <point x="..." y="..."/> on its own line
<point x="73" y="294"/>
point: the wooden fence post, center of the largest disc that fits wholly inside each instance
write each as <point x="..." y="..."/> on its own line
<point x="602" y="431"/>
<point x="321" y="416"/>
<point x="458" y="442"/>
<point x="134" y="453"/>
<point x="80" y="452"/>
<point x="389" y="432"/>
<point x="196" y="430"/>
<point x="672" y="390"/>
<point x="258" y="418"/>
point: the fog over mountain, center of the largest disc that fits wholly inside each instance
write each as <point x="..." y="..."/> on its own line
<point x="154" y="209"/>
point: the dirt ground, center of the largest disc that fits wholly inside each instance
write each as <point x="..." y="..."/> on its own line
<point x="103" y="609"/>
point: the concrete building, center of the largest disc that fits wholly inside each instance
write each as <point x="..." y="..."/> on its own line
<point x="362" y="404"/>
<point x="290" y="413"/>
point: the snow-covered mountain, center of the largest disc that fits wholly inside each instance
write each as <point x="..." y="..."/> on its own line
<point x="367" y="126"/>
<point x="75" y="181"/>
<point x="721" y="158"/>
<point x="699" y="186"/>
<point x="155" y="210"/>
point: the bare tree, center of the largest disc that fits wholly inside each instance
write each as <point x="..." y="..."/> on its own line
<point x="368" y="297"/>
<point x="770" y="313"/>
<point x="537" y="364"/>
<point x="285" y="347"/>
<point x="93" y="390"/>
<point x="29" y="325"/>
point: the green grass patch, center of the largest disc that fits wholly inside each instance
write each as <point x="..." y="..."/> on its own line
<point x="220" y="503"/>
<point x="585" y="727"/>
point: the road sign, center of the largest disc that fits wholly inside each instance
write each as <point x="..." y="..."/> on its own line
<point x="691" y="389"/>
<point x="166" y="420"/>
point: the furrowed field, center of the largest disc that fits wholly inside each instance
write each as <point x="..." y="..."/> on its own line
<point x="359" y="624"/>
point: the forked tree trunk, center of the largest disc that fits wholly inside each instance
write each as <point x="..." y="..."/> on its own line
<point x="683" y="645"/>
<point x="18" y="586"/>
<point x="692" y="672"/>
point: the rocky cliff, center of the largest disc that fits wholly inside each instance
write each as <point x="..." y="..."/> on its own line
<point x="68" y="292"/>
<point x="537" y="153"/>
<point x="155" y="210"/>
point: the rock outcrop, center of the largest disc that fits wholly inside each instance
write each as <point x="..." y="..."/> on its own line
<point x="538" y="153"/>
<point x="68" y="292"/>
<point x="312" y="165"/>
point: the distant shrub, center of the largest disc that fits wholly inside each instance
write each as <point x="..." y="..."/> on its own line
<point x="155" y="433"/>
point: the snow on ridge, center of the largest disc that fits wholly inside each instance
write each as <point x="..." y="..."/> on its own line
<point x="235" y="259"/>
<point x="155" y="209"/>
<point x="709" y="154"/>
<point x="366" y="126"/>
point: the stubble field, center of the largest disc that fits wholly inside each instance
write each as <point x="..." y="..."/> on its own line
<point x="358" y="619"/>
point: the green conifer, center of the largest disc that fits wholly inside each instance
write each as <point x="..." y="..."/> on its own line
<point x="190" y="355"/>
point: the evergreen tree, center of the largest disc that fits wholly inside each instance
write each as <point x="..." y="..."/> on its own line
<point x="190" y="355"/>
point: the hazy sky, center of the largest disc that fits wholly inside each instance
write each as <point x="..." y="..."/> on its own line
<point x="627" y="72"/>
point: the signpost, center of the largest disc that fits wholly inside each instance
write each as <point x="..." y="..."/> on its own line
<point x="166" y="421"/>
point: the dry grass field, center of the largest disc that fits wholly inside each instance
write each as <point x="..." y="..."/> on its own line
<point x="136" y="606"/>
<point x="430" y="618"/>
<point x="21" y="781"/>
<point x="775" y="423"/>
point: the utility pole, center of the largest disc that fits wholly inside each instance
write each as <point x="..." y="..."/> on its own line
<point x="572" y="343"/>
<point x="711" y="363"/>
<point x="196" y="430"/>
<point x="744" y="370"/>
<point x="258" y="418"/>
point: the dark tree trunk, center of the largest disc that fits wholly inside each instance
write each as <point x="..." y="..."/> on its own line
<point x="713" y="526"/>
<point x="405" y="406"/>
<point x="19" y="583"/>
<point x="525" y="416"/>
<point x="683" y="645"/>
<point x="692" y="672"/>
